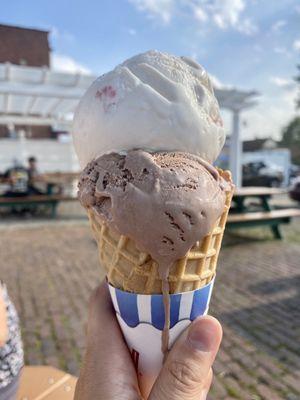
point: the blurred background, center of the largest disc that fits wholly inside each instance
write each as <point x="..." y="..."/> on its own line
<point x="50" y="52"/>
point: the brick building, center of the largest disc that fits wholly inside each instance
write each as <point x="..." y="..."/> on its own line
<point x="23" y="46"/>
<point x="28" y="47"/>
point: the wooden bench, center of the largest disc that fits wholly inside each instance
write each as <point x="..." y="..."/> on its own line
<point x="262" y="194"/>
<point x="270" y="218"/>
<point x="46" y="383"/>
<point x="31" y="202"/>
<point x="60" y="177"/>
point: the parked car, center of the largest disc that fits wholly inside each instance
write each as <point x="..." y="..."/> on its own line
<point x="295" y="189"/>
<point x="294" y="172"/>
<point x="261" y="174"/>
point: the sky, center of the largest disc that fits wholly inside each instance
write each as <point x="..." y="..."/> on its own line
<point x="246" y="44"/>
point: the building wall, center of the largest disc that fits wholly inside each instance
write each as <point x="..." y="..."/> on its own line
<point x="24" y="46"/>
<point x="52" y="155"/>
<point x="31" y="132"/>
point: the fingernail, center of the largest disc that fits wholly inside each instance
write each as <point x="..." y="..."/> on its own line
<point x="201" y="335"/>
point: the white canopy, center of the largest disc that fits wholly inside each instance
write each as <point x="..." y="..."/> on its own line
<point x="40" y="96"/>
<point x="236" y="101"/>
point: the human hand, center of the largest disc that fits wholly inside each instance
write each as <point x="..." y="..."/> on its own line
<point x="108" y="371"/>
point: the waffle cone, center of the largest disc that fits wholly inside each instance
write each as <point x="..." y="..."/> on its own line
<point x="131" y="270"/>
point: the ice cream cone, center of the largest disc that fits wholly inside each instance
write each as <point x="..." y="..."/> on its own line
<point x="164" y="198"/>
<point x="131" y="270"/>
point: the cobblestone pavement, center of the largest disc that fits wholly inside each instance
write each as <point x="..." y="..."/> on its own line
<point x="51" y="270"/>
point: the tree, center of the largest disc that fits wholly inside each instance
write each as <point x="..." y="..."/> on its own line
<point x="297" y="79"/>
<point x="291" y="138"/>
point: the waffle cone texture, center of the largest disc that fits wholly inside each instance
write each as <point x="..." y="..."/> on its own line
<point x="129" y="269"/>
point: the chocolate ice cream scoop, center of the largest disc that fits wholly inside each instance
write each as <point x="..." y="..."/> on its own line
<point x="165" y="202"/>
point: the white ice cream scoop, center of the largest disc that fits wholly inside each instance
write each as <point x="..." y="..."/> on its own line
<point x="153" y="101"/>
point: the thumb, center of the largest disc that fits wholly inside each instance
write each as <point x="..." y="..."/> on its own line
<point x="186" y="372"/>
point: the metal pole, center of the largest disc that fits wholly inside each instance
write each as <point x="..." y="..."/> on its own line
<point x="236" y="150"/>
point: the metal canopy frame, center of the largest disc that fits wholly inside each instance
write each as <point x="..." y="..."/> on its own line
<point x="236" y="101"/>
<point x="40" y="96"/>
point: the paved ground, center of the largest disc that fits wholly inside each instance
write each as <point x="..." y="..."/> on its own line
<point x="51" y="270"/>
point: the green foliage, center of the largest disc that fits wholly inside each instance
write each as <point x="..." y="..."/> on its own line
<point x="291" y="138"/>
<point x="297" y="79"/>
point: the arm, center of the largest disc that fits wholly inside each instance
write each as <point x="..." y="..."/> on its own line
<point x="3" y="320"/>
<point x="6" y="176"/>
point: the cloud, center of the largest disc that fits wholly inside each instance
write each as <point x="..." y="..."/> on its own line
<point x="289" y="96"/>
<point x="280" y="50"/>
<point x="258" y="48"/>
<point x="296" y="45"/>
<point x="224" y="14"/>
<point x="59" y="35"/>
<point x="161" y="9"/>
<point x="273" y="111"/>
<point x="194" y="55"/>
<point x="64" y="63"/>
<point x="282" y="82"/>
<point x="216" y="81"/>
<point x="132" y="32"/>
<point x="270" y="117"/>
<point x="200" y="14"/>
<point x="247" y="27"/>
<point x="218" y="84"/>
<point x="278" y="25"/>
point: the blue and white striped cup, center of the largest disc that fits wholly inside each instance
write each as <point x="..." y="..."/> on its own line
<point x="141" y="318"/>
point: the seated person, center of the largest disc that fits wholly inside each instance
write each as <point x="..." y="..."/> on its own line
<point x="18" y="179"/>
<point x="34" y="176"/>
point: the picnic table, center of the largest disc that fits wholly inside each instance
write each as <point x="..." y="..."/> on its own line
<point x="44" y="382"/>
<point x="51" y="201"/>
<point x="244" y="215"/>
<point x="54" y="185"/>
<point x="57" y="181"/>
<point x="262" y="194"/>
<point x="60" y="177"/>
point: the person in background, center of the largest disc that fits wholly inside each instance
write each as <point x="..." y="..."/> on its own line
<point x="17" y="178"/>
<point x="11" y="349"/>
<point x="34" y="177"/>
<point x="32" y="167"/>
